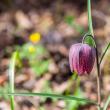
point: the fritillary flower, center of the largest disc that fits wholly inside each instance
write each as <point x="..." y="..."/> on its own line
<point x="81" y="58"/>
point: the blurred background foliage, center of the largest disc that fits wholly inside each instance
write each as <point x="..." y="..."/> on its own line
<point x="42" y="31"/>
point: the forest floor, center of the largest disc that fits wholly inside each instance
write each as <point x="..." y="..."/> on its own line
<point x="49" y="71"/>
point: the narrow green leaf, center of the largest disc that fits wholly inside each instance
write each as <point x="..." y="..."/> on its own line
<point x="107" y="103"/>
<point x="11" y="76"/>
<point x="53" y="96"/>
<point x="105" y="51"/>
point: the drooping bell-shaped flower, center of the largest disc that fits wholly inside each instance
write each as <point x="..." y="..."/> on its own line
<point x="81" y="58"/>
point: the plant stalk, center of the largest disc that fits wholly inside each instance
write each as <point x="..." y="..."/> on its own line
<point x="98" y="80"/>
<point x="97" y="56"/>
<point x="89" y="17"/>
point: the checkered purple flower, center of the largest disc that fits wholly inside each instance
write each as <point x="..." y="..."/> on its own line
<point x="81" y="58"/>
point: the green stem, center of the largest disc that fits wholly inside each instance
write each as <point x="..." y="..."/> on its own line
<point x="12" y="102"/>
<point x="11" y="78"/>
<point x="89" y="17"/>
<point x="107" y="103"/>
<point x="97" y="57"/>
<point x="11" y="73"/>
<point x="104" y="52"/>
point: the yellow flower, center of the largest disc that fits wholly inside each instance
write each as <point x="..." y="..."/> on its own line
<point x="31" y="49"/>
<point x="35" y="37"/>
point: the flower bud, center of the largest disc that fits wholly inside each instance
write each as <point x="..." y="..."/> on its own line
<point x="81" y="58"/>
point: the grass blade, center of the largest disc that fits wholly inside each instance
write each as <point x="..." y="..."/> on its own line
<point x="69" y="97"/>
<point x="105" y="51"/>
<point x="107" y="103"/>
<point x="11" y="77"/>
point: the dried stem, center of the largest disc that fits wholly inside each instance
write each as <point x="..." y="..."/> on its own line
<point x="98" y="79"/>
